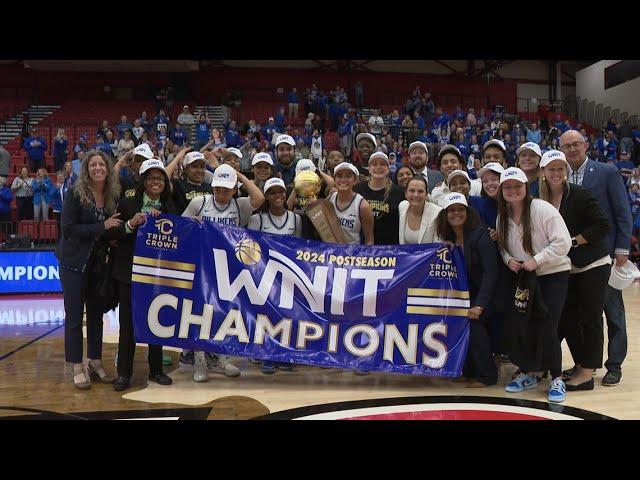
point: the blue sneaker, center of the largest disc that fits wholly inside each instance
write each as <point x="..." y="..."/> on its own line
<point x="557" y="391"/>
<point x="268" y="368"/>
<point x="521" y="383"/>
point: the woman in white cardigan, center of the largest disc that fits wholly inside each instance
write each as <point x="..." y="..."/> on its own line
<point x="532" y="235"/>
<point x="417" y="215"/>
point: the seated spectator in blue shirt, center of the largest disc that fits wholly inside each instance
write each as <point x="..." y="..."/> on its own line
<point x="269" y="129"/>
<point x="534" y="135"/>
<point x="424" y="136"/>
<point x="232" y="136"/>
<point x="179" y="136"/>
<point x="459" y="114"/>
<point x="611" y="149"/>
<point x="102" y="145"/>
<point x="145" y="122"/>
<point x="123" y="126"/>
<point x="161" y="138"/>
<point x="624" y="162"/>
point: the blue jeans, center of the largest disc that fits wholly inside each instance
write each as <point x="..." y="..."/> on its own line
<point x="617" y="329"/>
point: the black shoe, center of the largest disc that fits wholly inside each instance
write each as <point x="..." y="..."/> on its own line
<point x="567" y="374"/>
<point x="612" y="379"/>
<point x="588" y="385"/>
<point x="160" y="378"/>
<point x="121" y="383"/>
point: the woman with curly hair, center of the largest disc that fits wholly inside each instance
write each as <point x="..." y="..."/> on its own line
<point x="88" y="212"/>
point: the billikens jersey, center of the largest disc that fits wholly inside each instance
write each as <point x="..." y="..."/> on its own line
<point x="236" y="213"/>
<point x="287" y="224"/>
<point x="349" y="218"/>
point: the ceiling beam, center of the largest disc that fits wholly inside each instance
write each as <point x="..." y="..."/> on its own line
<point x="448" y="67"/>
<point x="490" y="66"/>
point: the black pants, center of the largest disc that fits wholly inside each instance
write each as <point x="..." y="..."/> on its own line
<point x="554" y="292"/>
<point x="127" y="343"/>
<point x="76" y="289"/>
<point x="58" y="162"/>
<point x="479" y="364"/>
<point x="581" y="321"/>
<point x="34" y="165"/>
<point x="25" y="208"/>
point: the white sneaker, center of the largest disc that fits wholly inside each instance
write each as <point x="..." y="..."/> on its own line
<point x="222" y="364"/>
<point x="200" y="367"/>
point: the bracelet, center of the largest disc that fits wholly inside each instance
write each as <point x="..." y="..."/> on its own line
<point x="129" y="225"/>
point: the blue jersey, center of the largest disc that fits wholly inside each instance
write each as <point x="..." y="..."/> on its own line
<point x="202" y="132"/>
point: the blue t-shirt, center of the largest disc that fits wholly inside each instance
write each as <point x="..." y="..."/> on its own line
<point x="420" y="122"/>
<point x="612" y="149"/>
<point x="60" y="147"/>
<point x="123" y="127"/>
<point x="464" y="149"/>
<point x="293" y="97"/>
<point x="232" y="138"/>
<point x="179" y="136"/>
<point x="202" y="132"/>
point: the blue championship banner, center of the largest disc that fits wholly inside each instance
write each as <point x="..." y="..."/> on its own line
<point x="228" y="290"/>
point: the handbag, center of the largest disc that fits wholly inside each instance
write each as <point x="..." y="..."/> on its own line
<point x="528" y="325"/>
<point x="105" y="293"/>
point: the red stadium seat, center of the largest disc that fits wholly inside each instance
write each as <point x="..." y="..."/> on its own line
<point x="48" y="231"/>
<point x="28" y="227"/>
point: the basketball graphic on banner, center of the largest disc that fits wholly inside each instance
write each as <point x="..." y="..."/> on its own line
<point x="248" y="252"/>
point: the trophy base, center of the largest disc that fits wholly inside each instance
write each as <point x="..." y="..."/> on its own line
<point x="324" y="219"/>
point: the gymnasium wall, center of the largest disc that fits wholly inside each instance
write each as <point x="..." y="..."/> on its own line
<point x="590" y="85"/>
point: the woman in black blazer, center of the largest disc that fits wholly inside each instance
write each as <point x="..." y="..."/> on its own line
<point x="581" y="321"/>
<point x="152" y="197"/>
<point x="460" y="225"/>
<point x="87" y="215"/>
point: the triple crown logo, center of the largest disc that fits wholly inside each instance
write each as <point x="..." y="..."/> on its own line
<point x="444" y="255"/>
<point x="164" y="226"/>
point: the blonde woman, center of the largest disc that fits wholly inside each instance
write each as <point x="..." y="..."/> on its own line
<point x="88" y="212"/>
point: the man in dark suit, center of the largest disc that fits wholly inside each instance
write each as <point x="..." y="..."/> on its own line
<point x="606" y="184"/>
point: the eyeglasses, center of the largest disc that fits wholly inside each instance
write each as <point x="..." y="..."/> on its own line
<point x="571" y="146"/>
<point x="155" y="179"/>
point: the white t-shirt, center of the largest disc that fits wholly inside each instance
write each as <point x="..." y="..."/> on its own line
<point x="236" y="213"/>
<point x="349" y="218"/>
<point x="438" y="193"/>
<point x="376" y="123"/>
<point x="287" y="224"/>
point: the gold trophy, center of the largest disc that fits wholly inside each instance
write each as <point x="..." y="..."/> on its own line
<point x="319" y="211"/>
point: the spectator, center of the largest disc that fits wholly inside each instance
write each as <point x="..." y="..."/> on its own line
<point x="60" y="149"/>
<point x="302" y="150"/>
<point x="145" y="123"/>
<point x="294" y="101"/>
<point x="125" y="144"/>
<point x="103" y="129"/>
<point x="308" y="123"/>
<point x="70" y="176"/>
<point x="279" y="119"/>
<point x="137" y="130"/>
<point x="429" y="108"/>
<point x="316" y="145"/>
<point x="625" y="134"/>
<point x="202" y="131"/>
<point x="6" y="196"/>
<point x="610" y="145"/>
<point x="112" y="142"/>
<point x="87" y="213"/>
<point x="57" y="197"/>
<point x="161" y="138"/>
<point x="5" y="160"/>
<point x="35" y="146"/>
<point x="459" y="114"/>
<point x="624" y="164"/>
<point x="232" y="136"/>
<point x="123" y="126"/>
<point x="179" y="136"/>
<point x="22" y="189"/>
<point x="268" y="130"/>
<point x="359" y="91"/>
<point x="185" y="118"/>
<point x="81" y="146"/>
<point x="76" y="164"/>
<point x="161" y="120"/>
<point x="471" y="118"/>
<point x="42" y="190"/>
<point x="376" y="122"/>
<point x="101" y="146"/>
<point x="634" y="200"/>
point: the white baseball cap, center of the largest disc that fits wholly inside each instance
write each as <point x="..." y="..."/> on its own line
<point x="192" y="157"/>
<point x="418" y="144"/>
<point x="513" y="173"/>
<point x="552" y="155"/>
<point x="497" y="143"/>
<point x="453" y="198"/>
<point x="143" y="150"/>
<point x="533" y="146"/>
<point x="262" y="157"/>
<point x="381" y="155"/>
<point x="151" y="163"/>
<point x="235" y="151"/>
<point x="458" y="173"/>
<point x="284" y="138"/>
<point x="491" y="166"/>
<point x="305" y="165"/>
<point x="225" y="176"/>
<point x="274" y="182"/>
<point x="368" y="136"/>
<point x="346" y="166"/>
